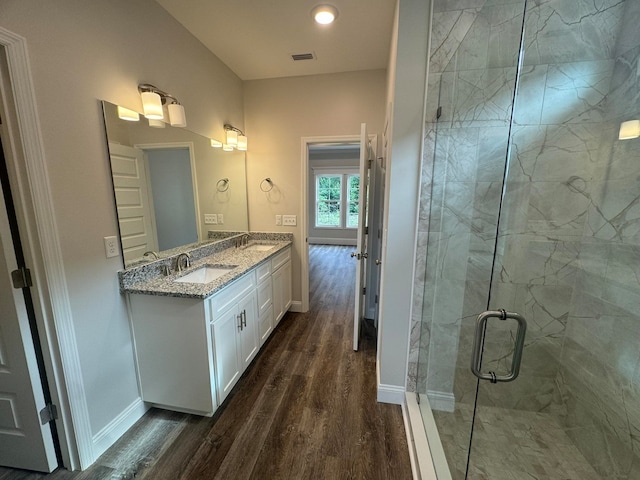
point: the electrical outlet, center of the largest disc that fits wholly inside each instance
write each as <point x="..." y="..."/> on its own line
<point x="290" y="220"/>
<point x="220" y="219"/>
<point x="111" y="246"/>
<point x="278" y="219"/>
<point x="210" y="219"/>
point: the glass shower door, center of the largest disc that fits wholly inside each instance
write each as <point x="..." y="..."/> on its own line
<point x="472" y="81"/>
<point x="566" y="256"/>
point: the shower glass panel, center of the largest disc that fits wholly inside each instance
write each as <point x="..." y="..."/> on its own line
<point x="534" y="209"/>
<point x="471" y="88"/>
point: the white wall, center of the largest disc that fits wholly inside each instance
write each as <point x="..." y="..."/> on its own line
<point x="406" y="92"/>
<point x="81" y="52"/>
<point x="279" y="112"/>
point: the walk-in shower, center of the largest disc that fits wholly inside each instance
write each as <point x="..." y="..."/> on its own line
<point x="531" y="204"/>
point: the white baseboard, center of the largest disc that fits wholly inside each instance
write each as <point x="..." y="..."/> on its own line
<point x="332" y="241"/>
<point x="441" y="401"/>
<point x="296" y="306"/>
<point x="390" y="394"/>
<point x="117" y="427"/>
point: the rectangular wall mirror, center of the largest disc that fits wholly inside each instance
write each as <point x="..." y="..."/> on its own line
<point x="166" y="181"/>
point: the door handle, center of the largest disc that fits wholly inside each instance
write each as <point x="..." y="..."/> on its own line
<point x="378" y="261"/>
<point x="239" y="321"/>
<point x="478" y="343"/>
<point x="359" y="255"/>
<point x="244" y="318"/>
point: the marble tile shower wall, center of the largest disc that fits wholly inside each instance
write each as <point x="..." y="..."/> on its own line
<point x="569" y="249"/>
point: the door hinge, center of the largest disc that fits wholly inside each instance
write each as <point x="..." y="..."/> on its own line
<point x="364" y="290"/>
<point x="439" y="112"/>
<point x="48" y="413"/>
<point x="375" y="299"/>
<point x="418" y="398"/>
<point x="366" y="230"/>
<point x="21" y="278"/>
<point x="369" y="164"/>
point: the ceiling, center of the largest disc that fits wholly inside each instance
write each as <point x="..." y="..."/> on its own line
<point x="256" y="38"/>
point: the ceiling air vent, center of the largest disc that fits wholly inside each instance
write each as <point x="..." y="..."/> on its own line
<point x="302" y="56"/>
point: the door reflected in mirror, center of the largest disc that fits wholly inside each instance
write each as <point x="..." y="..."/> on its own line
<point x="167" y="182"/>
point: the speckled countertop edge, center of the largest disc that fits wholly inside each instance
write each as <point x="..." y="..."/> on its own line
<point x="246" y="260"/>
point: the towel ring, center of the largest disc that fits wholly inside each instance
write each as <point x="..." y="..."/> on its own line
<point x="269" y="188"/>
<point x="222" y="185"/>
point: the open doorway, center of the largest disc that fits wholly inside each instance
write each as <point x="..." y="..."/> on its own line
<point x="341" y="207"/>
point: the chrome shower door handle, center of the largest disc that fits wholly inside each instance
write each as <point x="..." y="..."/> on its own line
<point x="478" y="343"/>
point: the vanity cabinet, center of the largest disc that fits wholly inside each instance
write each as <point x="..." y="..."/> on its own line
<point x="281" y="278"/>
<point x="191" y="352"/>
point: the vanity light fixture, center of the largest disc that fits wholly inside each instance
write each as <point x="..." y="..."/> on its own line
<point x="227" y="148"/>
<point x="152" y="101"/>
<point x="235" y="137"/>
<point x="215" y="143"/>
<point x="629" y="129"/>
<point x="232" y="138"/>
<point x="324" y="14"/>
<point x="156" y="123"/>
<point x="242" y="143"/>
<point x="128" y="115"/>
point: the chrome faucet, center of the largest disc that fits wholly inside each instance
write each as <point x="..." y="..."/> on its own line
<point x="179" y="262"/>
<point x="244" y="240"/>
<point x="151" y="253"/>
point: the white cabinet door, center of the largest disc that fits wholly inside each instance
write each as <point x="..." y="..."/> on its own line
<point x="281" y="292"/>
<point x="278" y="306"/>
<point x="249" y="330"/>
<point x="228" y="361"/>
<point x="265" y="322"/>
<point x="286" y="287"/>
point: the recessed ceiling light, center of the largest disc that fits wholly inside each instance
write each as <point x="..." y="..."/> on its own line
<point x="324" y="14"/>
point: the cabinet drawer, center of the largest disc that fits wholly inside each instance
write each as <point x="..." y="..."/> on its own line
<point x="280" y="259"/>
<point x="264" y="296"/>
<point x="263" y="272"/>
<point x="230" y="294"/>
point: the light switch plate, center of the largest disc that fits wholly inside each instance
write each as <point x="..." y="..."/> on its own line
<point x="290" y="220"/>
<point x="220" y="219"/>
<point x="278" y="219"/>
<point x="210" y="219"/>
<point x="111" y="247"/>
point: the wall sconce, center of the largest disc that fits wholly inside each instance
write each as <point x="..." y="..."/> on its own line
<point x="152" y="101"/>
<point x="629" y="129"/>
<point x="235" y="138"/>
<point x="215" y="143"/>
<point x="128" y="115"/>
<point x="227" y="148"/>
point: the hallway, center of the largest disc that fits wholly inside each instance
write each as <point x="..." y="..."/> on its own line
<point x="305" y="409"/>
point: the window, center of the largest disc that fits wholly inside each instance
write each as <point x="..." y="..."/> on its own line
<point x="337" y="197"/>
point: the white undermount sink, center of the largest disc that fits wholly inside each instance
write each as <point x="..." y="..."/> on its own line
<point x="259" y="247"/>
<point x="206" y="274"/>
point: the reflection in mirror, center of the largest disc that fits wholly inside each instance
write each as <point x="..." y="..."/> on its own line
<point x="166" y="182"/>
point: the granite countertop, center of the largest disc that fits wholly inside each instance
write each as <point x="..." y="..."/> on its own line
<point x="244" y="260"/>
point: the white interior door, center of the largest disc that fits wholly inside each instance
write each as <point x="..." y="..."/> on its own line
<point x="361" y="245"/>
<point x="133" y="201"/>
<point x="24" y="442"/>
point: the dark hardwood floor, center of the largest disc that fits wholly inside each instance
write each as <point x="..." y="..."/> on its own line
<point x="305" y="409"/>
